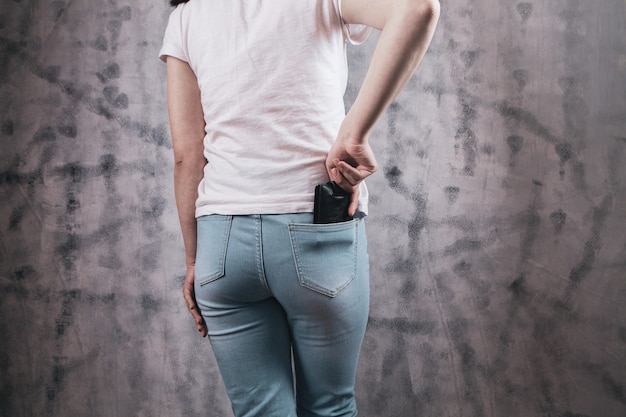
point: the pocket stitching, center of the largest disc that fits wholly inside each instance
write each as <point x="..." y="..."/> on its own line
<point x="222" y="258"/>
<point x="293" y="227"/>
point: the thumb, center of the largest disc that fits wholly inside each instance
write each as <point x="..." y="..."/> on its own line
<point x="354" y="202"/>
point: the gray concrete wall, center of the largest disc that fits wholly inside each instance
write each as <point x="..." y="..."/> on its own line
<point x="497" y="226"/>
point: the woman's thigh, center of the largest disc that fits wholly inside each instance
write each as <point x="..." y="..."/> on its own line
<point x="247" y="327"/>
<point x="320" y="276"/>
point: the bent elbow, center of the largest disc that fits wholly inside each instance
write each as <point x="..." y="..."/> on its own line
<point x="423" y="11"/>
<point x="434" y="8"/>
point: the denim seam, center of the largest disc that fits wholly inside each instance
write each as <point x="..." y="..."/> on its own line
<point x="259" y="251"/>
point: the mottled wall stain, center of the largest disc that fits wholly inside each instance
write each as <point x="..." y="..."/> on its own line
<point x="496" y="231"/>
<point x="504" y="238"/>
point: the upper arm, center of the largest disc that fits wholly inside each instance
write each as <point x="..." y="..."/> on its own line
<point x="376" y="13"/>
<point x="366" y="12"/>
<point x="184" y="108"/>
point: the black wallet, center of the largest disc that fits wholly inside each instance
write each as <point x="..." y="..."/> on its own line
<point x="331" y="204"/>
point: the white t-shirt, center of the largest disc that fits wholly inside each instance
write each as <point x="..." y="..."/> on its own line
<point x="272" y="76"/>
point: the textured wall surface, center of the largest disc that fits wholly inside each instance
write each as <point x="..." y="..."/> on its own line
<point x="497" y="226"/>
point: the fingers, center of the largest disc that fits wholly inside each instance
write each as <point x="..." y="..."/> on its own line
<point x="192" y="306"/>
<point x="348" y="164"/>
<point x="347" y="185"/>
<point x="350" y="173"/>
<point x="353" y="175"/>
<point x="338" y="178"/>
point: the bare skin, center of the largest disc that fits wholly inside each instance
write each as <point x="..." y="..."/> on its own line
<point x="407" y="27"/>
<point x="187" y="126"/>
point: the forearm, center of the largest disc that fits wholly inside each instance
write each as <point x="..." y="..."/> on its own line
<point x="187" y="126"/>
<point x="405" y="36"/>
<point x="187" y="176"/>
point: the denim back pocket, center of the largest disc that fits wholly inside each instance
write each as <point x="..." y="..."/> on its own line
<point x="325" y="255"/>
<point x="213" y="233"/>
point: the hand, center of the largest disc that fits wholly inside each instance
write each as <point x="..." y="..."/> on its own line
<point x="348" y="164"/>
<point x="190" y="298"/>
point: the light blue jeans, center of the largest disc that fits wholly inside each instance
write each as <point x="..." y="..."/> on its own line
<point x="276" y="287"/>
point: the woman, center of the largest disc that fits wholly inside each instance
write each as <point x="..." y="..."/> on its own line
<point x="255" y="98"/>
